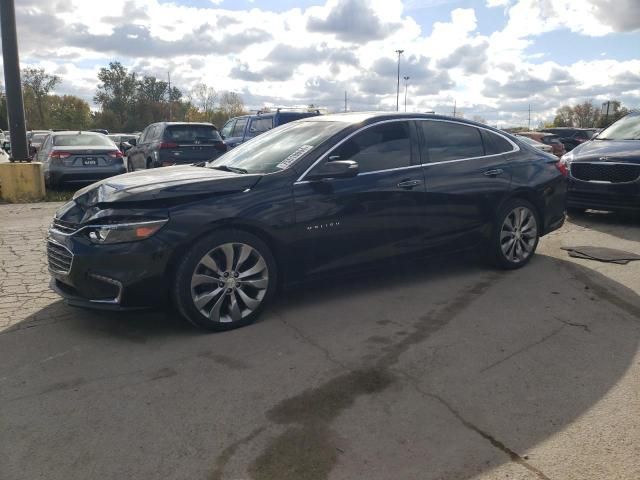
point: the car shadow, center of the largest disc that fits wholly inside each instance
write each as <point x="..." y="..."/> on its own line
<point x="68" y="361"/>
<point x="626" y="225"/>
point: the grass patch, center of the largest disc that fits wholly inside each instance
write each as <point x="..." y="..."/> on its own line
<point x="59" y="195"/>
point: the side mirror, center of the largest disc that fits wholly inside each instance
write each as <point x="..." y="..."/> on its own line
<point x="133" y="142"/>
<point x="335" y="169"/>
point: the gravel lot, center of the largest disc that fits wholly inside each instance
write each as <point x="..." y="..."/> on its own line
<point x="442" y="370"/>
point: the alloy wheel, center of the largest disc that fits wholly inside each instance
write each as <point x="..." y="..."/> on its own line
<point x="229" y="282"/>
<point x="518" y="234"/>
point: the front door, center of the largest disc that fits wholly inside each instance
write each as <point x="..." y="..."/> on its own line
<point x="377" y="214"/>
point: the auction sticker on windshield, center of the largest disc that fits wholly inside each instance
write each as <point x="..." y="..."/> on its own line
<point x="294" y="156"/>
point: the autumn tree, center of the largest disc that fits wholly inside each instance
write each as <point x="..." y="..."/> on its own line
<point x="37" y="85"/>
<point x="116" y="91"/>
<point x="68" y="112"/>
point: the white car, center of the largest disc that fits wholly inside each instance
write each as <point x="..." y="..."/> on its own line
<point x="4" y="156"/>
<point x="538" y="145"/>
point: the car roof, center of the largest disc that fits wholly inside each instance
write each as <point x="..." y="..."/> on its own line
<point x="368" y="117"/>
<point x="76" y="132"/>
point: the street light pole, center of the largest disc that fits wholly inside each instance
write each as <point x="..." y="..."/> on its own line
<point x="406" y="84"/>
<point x="399" y="52"/>
<point x="13" y="86"/>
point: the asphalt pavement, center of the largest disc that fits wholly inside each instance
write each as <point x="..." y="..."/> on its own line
<point x="445" y="369"/>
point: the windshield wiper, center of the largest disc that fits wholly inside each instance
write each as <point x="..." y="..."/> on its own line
<point x="227" y="168"/>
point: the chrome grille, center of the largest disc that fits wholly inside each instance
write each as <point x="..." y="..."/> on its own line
<point x="605" y="172"/>
<point x="64" y="227"/>
<point x="59" y="258"/>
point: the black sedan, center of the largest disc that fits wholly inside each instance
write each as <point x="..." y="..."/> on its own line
<point x="605" y="172"/>
<point x="305" y="199"/>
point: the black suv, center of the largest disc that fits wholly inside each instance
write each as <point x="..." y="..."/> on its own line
<point x="605" y="172"/>
<point x="301" y="200"/>
<point x="572" y="137"/>
<point x="172" y="143"/>
<point x="240" y="129"/>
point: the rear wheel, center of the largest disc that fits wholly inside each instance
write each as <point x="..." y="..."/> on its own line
<point x="224" y="280"/>
<point x="516" y="234"/>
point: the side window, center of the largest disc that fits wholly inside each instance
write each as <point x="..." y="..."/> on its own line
<point x="259" y="125"/>
<point x="144" y="136"/>
<point x="238" y="128"/>
<point x="495" y="144"/>
<point x="228" y="128"/>
<point x="451" y="141"/>
<point x="378" y="148"/>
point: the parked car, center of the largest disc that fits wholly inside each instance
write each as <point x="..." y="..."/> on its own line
<point x="536" y="144"/>
<point x="240" y="129"/>
<point x="557" y="147"/>
<point x="164" y="144"/>
<point x="36" y="139"/>
<point x="99" y="130"/>
<point x="122" y="140"/>
<point x="74" y="158"/>
<point x="4" y="156"/>
<point x="605" y="172"/>
<point x="571" y="137"/>
<point x="307" y="198"/>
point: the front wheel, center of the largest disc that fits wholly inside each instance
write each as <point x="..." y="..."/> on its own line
<point x="224" y="280"/>
<point x="516" y="234"/>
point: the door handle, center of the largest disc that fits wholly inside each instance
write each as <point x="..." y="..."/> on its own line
<point x="494" y="173"/>
<point x="409" y="183"/>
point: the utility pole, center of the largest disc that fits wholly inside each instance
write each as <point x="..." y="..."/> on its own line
<point x="406" y="83"/>
<point x="13" y="85"/>
<point x="399" y="52"/>
<point x="170" y="108"/>
<point x="345" y="101"/>
<point x="529" y="117"/>
<point x="454" y="109"/>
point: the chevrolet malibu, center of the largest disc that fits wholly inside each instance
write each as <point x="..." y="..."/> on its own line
<point x="304" y="199"/>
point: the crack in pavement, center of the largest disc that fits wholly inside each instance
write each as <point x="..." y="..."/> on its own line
<point x="305" y="449"/>
<point x="230" y="450"/>
<point x="515" y="457"/>
<point x="523" y="349"/>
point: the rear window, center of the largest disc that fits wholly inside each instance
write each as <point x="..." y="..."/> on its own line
<point x="39" y="137"/>
<point x="260" y="125"/>
<point x="551" y="140"/>
<point x="83" y="140"/>
<point x="192" y="133"/>
<point x="495" y="144"/>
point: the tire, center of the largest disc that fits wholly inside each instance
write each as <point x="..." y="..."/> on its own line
<point x="512" y="247"/>
<point x="149" y="163"/>
<point x="232" y="297"/>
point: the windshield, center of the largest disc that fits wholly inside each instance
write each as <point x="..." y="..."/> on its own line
<point x="279" y="148"/>
<point x="82" y="140"/>
<point x="627" y="128"/>
<point x="39" y="137"/>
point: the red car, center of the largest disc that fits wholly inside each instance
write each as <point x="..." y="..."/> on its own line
<point x="548" y="139"/>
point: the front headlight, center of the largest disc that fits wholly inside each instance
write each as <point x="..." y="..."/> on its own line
<point x="123" y="232"/>
<point x="567" y="157"/>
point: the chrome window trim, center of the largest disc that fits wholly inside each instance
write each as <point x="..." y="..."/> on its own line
<point x="515" y="146"/>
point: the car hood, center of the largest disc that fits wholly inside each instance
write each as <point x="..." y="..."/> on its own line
<point x="625" y="151"/>
<point x="164" y="183"/>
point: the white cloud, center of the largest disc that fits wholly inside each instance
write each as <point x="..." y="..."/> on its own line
<point x="297" y="57"/>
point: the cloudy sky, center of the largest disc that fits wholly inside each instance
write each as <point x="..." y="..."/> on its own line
<point x="493" y="58"/>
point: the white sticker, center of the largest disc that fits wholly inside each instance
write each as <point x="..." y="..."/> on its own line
<point x="294" y="156"/>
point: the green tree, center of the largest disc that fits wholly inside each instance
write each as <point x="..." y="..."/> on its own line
<point x="38" y="84"/>
<point x="586" y="115"/>
<point x="616" y="112"/>
<point x="117" y="90"/>
<point x="564" y="117"/>
<point x="68" y="111"/>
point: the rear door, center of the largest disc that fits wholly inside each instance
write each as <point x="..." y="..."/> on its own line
<point x="236" y="134"/>
<point x="467" y="176"/>
<point x="136" y="155"/>
<point x="189" y="143"/>
<point x="377" y="214"/>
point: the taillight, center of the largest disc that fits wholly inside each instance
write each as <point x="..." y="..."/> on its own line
<point x="221" y="147"/>
<point x="60" y="155"/>
<point x="116" y="154"/>
<point x="168" y="145"/>
<point x="562" y="166"/>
